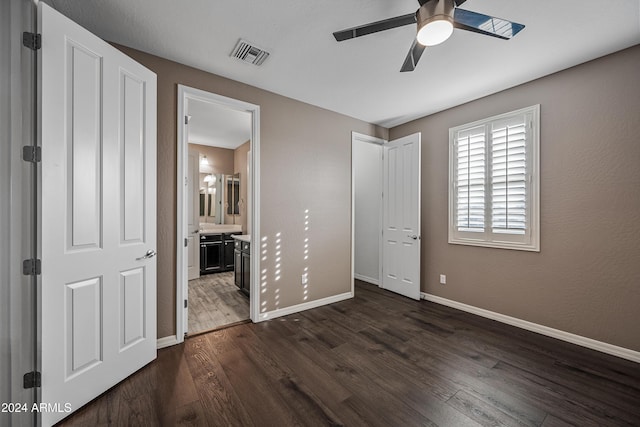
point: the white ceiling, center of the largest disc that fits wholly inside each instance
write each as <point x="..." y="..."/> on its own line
<point x="217" y="126"/>
<point x="360" y="77"/>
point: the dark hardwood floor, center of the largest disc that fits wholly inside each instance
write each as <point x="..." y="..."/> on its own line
<point x="377" y="360"/>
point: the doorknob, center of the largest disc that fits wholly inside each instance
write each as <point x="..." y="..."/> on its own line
<point x="412" y="236"/>
<point x="150" y="254"/>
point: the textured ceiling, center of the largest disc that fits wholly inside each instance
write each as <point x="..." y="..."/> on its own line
<point x="360" y="77"/>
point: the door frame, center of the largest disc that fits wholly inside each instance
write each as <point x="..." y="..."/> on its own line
<point x="185" y="93"/>
<point x="359" y="137"/>
<point x="19" y="218"/>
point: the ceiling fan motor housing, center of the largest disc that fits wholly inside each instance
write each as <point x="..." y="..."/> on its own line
<point x="435" y="10"/>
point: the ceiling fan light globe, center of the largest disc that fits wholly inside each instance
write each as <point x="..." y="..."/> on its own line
<point x="435" y="32"/>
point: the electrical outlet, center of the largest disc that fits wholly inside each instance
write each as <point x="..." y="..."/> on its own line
<point x="443" y="279"/>
<point x="305" y="279"/>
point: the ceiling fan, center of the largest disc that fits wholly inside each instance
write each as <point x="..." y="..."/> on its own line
<point x="436" y="20"/>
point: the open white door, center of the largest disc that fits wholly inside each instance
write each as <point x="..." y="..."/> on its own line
<point x="98" y="215"/>
<point x="193" y="216"/>
<point x="401" y="216"/>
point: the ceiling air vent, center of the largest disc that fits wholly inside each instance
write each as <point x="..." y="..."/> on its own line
<point x="246" y="52"/>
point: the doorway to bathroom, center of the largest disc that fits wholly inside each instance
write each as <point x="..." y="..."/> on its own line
<point x="216" y="212"/>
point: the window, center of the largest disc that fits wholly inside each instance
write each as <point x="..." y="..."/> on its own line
<point x="494" y="182"/>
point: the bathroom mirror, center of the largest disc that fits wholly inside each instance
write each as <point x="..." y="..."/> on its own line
<point x="233" y="194"/>
<point x="211" y="196"/>
<point x="219" y="198"/>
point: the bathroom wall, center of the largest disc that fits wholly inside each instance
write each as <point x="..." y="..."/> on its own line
<point x="220" y="159"/>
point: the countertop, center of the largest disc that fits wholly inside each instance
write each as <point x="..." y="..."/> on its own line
<point x="242" y="237"/>
<point x="208" y="228"/>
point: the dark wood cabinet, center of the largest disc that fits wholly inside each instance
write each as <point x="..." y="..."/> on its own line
<point x="210" y="253"/>
<point x="246" y="273"/>
<point x="216" y="252"/>
<point x="242" y="268"/>
<point x="228" y="255"/>
<point x="237" y="268"/>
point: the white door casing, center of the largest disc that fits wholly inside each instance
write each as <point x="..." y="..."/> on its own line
<point x="193" y="216"/>
<point x="185" y="94"/>
<point x="97" y="215"/>
<point x="401" y="216"/>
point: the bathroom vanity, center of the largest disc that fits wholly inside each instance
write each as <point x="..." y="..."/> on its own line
<point x="242" y="267"/>
<point x="216" y="252"/>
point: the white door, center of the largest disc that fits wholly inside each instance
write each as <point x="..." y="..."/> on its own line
<point x="98" y="214"/>
<point x="193" y="215"/>
<point x="401" y="216"/>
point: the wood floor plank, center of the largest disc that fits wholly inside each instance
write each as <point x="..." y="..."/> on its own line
<point x="552" y="421"/>
<point x="378" y="359"/>
<point x="420" y="395"/>
<point x="574" y="377"/>
<point x="217" y="395"/>
<point x="482" y="412"/>
<point x="581" y="401"/>
<point x="248" y="380"/>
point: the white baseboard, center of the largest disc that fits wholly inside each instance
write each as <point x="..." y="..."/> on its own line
<point x="167" y="341"/>
<point x="367" y="279"/>
<point x="603" y="347"/>
<point x="304" y="306"/>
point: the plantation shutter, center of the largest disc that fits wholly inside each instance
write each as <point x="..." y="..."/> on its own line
<point x="494" y="181"/>
<point x="509" y="176"/>
<point x="470" y="179"/>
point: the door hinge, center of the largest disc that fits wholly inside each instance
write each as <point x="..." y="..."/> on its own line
<point x="31" y="267"/>
<point x="185" y="303"/>
<point x="32" y="40"/>
<point x="186" y="242"/>
<point x="31" y="154"/>
<point x="31" y="379"/>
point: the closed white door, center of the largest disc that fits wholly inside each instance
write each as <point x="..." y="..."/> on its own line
<point x="193" y="215"/>
<point x="401" y="216"/>
<point x="98" y="215"/>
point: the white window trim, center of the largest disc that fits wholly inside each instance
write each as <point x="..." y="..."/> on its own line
<point x="495" y="240"/>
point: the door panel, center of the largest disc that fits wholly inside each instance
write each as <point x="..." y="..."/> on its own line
<point x="132" y="307"/>
<point x="132" y="160"/>
<point x="84" y="302"/>
<point x="401" y="216"/>
<point x="98" y="214"/>
<point x="84" y="153"/>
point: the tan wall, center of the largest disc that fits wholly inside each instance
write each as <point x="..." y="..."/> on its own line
<point x="305" y="161"/>
<point x="240" y="166"/>
<point x="220" y="159"/>
<point x="586" y="278"/>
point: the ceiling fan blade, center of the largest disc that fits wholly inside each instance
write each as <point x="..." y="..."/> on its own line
<point x="485" y="24"/>
<point x="413" y="57"/>
<point x="374" y="27"/>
